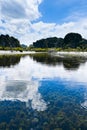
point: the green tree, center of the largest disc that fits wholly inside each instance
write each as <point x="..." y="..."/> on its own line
<point x="72" y="40"/>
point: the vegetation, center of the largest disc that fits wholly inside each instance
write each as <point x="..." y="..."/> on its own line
<point x="70" y="41"/>
<point x="7" y="41"/>
<point x="49" y="43"/>
<point x="11" y="43"/>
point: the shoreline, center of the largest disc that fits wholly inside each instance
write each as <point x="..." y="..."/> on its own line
<point x="74" y="53"/>
<point x="14" y="52"/>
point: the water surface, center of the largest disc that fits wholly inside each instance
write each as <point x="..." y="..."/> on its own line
<point x="43" y="92"/>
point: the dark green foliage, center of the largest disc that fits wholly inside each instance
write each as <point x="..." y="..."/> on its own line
<point x="48" y="43"/>
<point x="83" y="44"/>
<point x="71" y="40"/>
<point x="7" y="41"/>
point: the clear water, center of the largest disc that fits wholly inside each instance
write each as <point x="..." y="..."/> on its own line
<point x="43" y="92"/>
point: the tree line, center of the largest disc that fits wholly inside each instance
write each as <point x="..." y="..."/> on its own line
<point x="71" y="40"/>
<point x="7" y="41"/>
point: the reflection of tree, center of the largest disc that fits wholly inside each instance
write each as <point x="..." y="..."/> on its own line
<point x="72" y="63"/>
<point x="69" y="62"/>
<point x="7" y="61"/>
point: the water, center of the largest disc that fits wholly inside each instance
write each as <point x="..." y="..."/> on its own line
<point x="43" y="92"/>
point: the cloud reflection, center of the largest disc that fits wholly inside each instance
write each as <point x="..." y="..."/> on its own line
<point x="23" y="91"/>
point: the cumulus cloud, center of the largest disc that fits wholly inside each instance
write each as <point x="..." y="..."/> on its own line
<point x="19" y="9"/>
<point x="18" y="18"/>
<point x="43" y="30"/>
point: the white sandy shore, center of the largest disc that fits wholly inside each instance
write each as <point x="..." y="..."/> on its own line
<point x="30" y="52"/>
<point x="72" y="53"/>
<point x="15" y="52"/>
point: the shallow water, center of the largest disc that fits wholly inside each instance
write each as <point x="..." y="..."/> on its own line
<point x="43" y="92"/>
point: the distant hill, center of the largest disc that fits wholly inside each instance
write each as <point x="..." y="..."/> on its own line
<point x="71" y="40"/>
<point x="7" y="41"/>
<point x="23" y="46"/>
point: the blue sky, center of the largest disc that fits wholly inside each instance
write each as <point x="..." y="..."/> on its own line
<point x="58" y="11"/>
<point x="30" y="20"/>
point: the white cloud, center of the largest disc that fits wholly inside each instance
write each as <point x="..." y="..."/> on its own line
<point x="43" y="30"/>
<point x="16" y="17"/>
<point x="19" y="9"/>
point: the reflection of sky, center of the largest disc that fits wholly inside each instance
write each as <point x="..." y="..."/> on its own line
<point x="23" y="91"/>
<point x="27" y="70"/>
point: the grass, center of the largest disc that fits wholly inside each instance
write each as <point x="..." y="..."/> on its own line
<point x="43" y="49"/>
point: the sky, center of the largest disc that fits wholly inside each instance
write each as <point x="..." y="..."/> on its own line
<point x="31" y="20"/>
